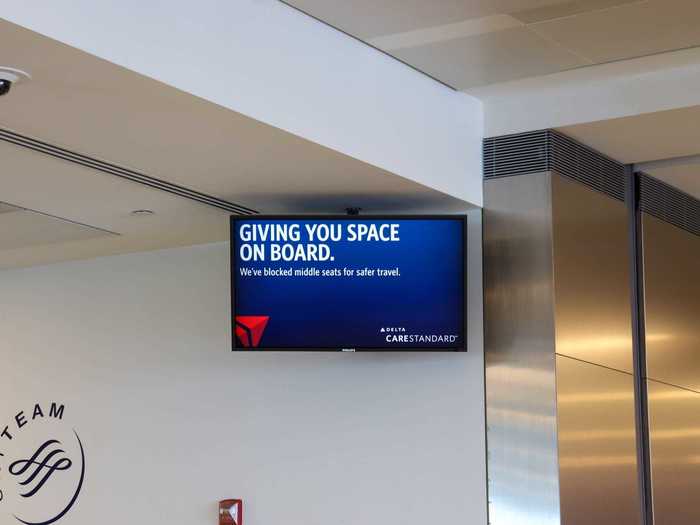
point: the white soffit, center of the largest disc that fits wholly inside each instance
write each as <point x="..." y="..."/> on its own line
<point x="266" y="60"/>
<point x="621" y="89"/>
<point x="645" y="137"/>
<point x="664" y="144"/>
<point x="93" y="107"/>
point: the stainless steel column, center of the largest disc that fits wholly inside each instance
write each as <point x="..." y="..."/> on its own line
<point x="519" y="351"/>
<point x="560" y="390"/>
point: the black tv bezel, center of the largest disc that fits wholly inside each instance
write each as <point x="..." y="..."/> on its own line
<point x="233" y="254"/>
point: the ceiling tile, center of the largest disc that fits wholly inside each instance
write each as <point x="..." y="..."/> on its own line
<point x="422" y="37"/>
<point x="372" y="18"/>
<point x="566" y="9"/>
<point x="628" y="31"/>
<point x="493" y="57"/>
<point x="24" y="228"/>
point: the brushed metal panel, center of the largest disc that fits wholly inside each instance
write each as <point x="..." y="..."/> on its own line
<point x="672" y="303"/>
<point x="519" y="347"/>
<point x="597" y="447"/>
<point x="674" y="421"/>
<point x="591" y="269"/>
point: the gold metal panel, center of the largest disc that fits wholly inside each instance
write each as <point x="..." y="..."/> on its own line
<point x="591" y="274"/>
<point x="672" y="303"/>
<point x="674" y="421"/>
<point x="597" y="448"/>
<point x="519" y="346"/>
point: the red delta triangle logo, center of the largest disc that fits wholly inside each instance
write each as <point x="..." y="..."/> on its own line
<point x="250" y="328"/>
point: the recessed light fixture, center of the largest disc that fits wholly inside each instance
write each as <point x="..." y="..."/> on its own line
<point x="142" y="213"/>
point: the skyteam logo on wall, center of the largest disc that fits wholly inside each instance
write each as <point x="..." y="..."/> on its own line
<point x="42" y="465"/>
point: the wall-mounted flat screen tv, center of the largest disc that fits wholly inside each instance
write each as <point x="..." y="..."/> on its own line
<point x="348" y="282"/>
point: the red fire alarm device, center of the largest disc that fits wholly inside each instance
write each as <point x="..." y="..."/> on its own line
<point x="231" y="512"/>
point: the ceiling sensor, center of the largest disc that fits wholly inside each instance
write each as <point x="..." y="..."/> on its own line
<point x="10" y="76"/>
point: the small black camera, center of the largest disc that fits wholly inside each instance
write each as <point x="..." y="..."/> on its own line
<point x="5" y="86"/>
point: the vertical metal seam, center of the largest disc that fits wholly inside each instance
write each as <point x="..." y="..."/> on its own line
<point x="641" y="404"/>
<point x="553" y="298"/>
<point x="483" y="341"/>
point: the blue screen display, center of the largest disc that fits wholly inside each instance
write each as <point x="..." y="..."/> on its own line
<point x="348" y="283"/>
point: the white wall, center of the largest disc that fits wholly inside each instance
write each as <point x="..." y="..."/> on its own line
<point x="270" y="62"/>
<point x="137" y="346"/>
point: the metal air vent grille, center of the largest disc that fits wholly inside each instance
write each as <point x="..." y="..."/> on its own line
<point x="669" y="204"/>
<point x="549" y="150"/>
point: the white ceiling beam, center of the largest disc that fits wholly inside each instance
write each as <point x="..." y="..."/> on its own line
<point x="590" y="94"/>
<point x="270" y="62"/>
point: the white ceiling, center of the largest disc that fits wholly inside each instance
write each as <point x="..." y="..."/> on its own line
<point x="22" y="228"/>
<point x="645" y="139"/>
<point x="471" y="43"/>
<point x="96" y="108"/>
